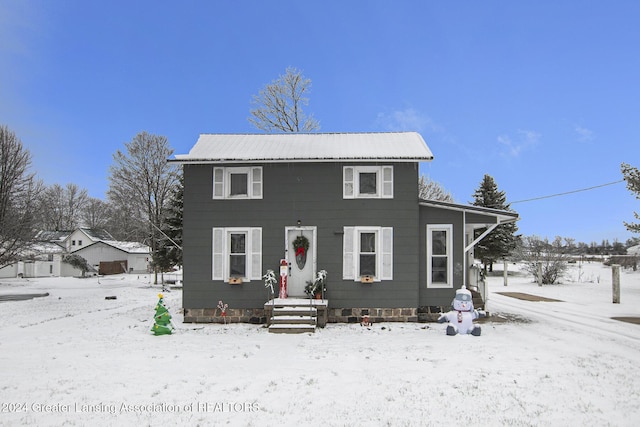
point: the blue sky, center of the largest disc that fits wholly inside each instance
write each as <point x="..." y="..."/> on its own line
<point x="543" y="96"/>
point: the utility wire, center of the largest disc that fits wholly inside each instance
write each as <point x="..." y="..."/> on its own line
<point x="568" y="192"/>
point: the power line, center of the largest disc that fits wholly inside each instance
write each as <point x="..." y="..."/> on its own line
<point x="568" y="192"/>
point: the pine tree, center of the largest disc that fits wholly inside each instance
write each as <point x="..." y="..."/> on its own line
<point x="632" y="176"/>
<point x="169" y="254"/>
<point x="162" y="320"/>
<point x="502" y="240"/>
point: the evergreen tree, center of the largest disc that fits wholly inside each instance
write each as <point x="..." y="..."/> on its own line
<point x="78" y="262"/>
<point x="170" y="253"/>
<point x="502" y="240"/>
<point x="632" y="176"/>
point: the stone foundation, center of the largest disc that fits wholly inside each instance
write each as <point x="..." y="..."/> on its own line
<point x="377" y="315"/>
<point x="234" y="315"/>
<point x="333" y="315"/>
<point x="431" y="313"/>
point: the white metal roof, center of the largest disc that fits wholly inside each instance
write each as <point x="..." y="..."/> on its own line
<point x="283" y="147"/>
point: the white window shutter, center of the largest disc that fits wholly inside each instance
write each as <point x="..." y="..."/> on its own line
<point x="387" y="254"/>
<point x="387" y="182"/>
<point x="256" y="254"/>
<point x="256" y="183"/>
<point x="348" y="181"/>
<point x="348" y="267"/>
<point x="217" y="263"/>
<point x="218" y="183"/>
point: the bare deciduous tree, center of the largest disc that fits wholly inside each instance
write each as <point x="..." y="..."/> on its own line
<point x="278" y="106"/>
<point x="18" y="192"/>
<point x="95" y="213"/>
<point x="142" y="180"/>
<point x="429" y="189"/>
<point x="124" y="222"/>
<point x="60" y="208"/>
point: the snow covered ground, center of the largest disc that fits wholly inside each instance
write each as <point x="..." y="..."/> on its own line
<point x="75" y="358"/>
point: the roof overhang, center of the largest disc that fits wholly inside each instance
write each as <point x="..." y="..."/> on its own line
<point x="501" y="216"/>
<point x="186" y="161"/>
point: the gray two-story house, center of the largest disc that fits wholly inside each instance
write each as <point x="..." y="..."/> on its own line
<point x="354" y="199"/>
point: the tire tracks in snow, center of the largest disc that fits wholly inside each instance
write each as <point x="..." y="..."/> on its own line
<point x="559" y="313"/>
<point x="109" y="310"/>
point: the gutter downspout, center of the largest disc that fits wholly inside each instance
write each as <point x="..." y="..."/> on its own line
<point x="464" y="253"/>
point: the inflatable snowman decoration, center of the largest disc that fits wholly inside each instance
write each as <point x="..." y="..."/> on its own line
<point x="461" y="317"/>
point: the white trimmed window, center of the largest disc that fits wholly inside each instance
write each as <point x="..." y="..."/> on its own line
<point x="237" y="253"/>
<point x="367" y="182"/>
<point x="367" y="251"/>
<point x="440" y="256"/>
<point x="237" y="182"/>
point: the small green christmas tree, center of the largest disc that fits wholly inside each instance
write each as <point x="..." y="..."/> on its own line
<point x="162" y="320"/>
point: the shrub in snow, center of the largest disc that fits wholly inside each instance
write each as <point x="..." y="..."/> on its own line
<point x="78" y="262"/>
<point x="540" y="254"/>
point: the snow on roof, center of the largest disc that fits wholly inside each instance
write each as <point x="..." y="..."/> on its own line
<point x="129" y="247"/>
<point x="97" y="233"/>
<point x="52" y="236"/>
<point x="229" y="148"/>
<point x="39" y="248"/>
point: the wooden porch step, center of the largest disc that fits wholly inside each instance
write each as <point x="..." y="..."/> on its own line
<point x="296" y="319"/>
<point x="295" y="315"/>
<point x="291" y="328"/>
<point x="301" y="320"/>
<point x="478" y="303"/>
<point x="294" y="311"/>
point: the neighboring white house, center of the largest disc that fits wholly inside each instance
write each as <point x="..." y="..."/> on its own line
<point x="44" y="257"/>
<point x="82" y="237"/>
<point x="127" y="257"/>
<point x="41" y="259"/>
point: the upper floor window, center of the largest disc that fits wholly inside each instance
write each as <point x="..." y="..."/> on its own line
<point x="372" y="182"/>
<point x="440" y="256"/>
<point x="237" y="182"/>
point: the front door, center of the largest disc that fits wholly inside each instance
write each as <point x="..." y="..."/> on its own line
<point x="301" y="256"/>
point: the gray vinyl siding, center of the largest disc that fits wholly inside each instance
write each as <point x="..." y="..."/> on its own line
<point x="313" y="194"/>
<point x="474" y="218"/>
<point x="430" y="216"/>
